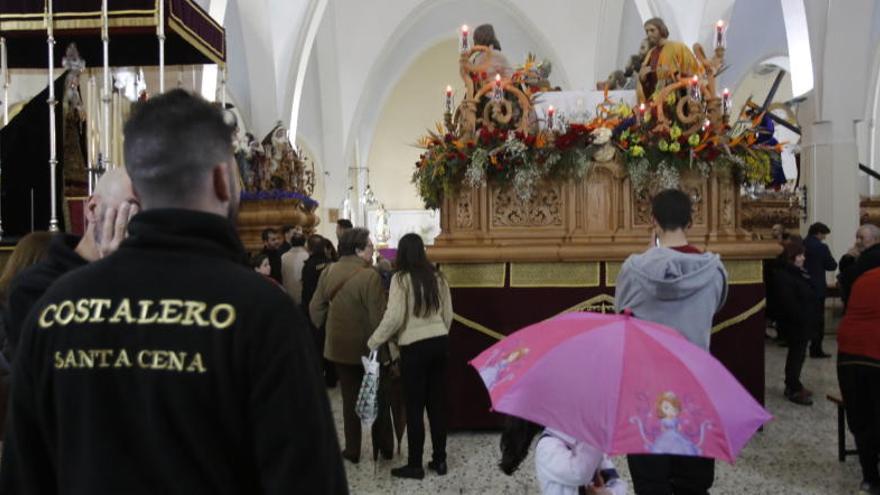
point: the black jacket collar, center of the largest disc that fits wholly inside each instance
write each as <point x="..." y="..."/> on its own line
<point x="181" y="230"/>
<point x="62" y="252"/>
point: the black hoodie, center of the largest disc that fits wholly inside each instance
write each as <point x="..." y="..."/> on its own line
<point x="30" y="285"/>
<point x="169" y="367"/>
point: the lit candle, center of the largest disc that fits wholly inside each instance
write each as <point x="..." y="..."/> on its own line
<point x="695" y="88"/>
<point x="449" y="99"/>
<point x="719" y="34"/>
<point x="706" y="125"/>
<point x="464" y="45"/>
<point x="497" y="94"/>
<point x="725" y="102"/>
<point x="642" y="109"/>
<point x="550" y="113"/>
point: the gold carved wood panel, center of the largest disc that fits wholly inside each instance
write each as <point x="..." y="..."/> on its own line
<point x="544" y="209"/>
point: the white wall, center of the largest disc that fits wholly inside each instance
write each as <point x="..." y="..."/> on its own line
<point x="415" y="104"/>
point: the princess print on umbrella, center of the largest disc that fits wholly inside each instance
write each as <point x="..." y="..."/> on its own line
<point x="671" y="437"/>
<point x="500" y="366"/>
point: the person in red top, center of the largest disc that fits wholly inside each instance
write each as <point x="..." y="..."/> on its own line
<point x="858" y="373"/>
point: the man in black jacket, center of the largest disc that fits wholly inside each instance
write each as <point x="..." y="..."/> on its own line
<point x="819" y="261"/>
<point x="108" y="211"/>
<point x="169" y="366"/>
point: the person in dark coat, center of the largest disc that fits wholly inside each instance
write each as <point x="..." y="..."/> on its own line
<point x="818" y="261"/>
<point x="170" y="365"/>
<point x="794" y="292"/>
<point x="321" y="255"/>
<point x="272" y="241"/>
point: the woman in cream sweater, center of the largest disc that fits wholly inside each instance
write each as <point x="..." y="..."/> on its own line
<point x="418" y="317"/>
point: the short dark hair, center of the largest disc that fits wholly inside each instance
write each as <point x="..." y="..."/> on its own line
<point x="297" y="240"/>
<point x="672" y="209"/>
<point x="267" y="232"/>
<point x="172" y="141"/>
<point x="793" y="247"/>
<point x="287" y="228"/>
<point x="344" y="223"/>
<point x="353" y="239"/>
<point x="257" y="259"/>
<point x="818" y="228"/>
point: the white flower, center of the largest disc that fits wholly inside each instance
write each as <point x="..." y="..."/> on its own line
<point x="601" y="135"/>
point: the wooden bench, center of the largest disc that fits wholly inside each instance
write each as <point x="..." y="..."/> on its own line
<point x="842" y="451"/>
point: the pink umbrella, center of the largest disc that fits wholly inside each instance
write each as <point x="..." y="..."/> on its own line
<point x="624" y="385"/>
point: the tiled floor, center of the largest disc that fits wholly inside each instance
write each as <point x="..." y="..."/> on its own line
<point x="795" y="454"/>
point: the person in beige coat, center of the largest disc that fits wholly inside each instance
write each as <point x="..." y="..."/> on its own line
<point x="418" y="318"/>
<point x="351" y="300"/>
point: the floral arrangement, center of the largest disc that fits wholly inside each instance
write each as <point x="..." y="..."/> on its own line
<point x="277" y="195"/>
<point x="510" y="158"/>
<point x="661" y="152"/>
<point x="654" y="155"/>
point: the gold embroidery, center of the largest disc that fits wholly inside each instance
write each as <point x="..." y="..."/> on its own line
<point x="475" y="275"/>
<point x="554" y="274"/>
<point x="742" y="272"/>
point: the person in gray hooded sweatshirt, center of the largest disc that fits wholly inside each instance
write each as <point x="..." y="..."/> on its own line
<point x="677" y="285"/>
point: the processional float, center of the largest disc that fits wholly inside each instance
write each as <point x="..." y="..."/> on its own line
<point x="542" y="194"/>
<point x="148" y="32"/>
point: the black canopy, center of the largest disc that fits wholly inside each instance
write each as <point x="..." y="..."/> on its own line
<point x="192" y="37"/>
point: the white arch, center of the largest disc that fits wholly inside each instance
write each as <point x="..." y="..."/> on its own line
<point x="388" y="68"/>
<point x="800" y="57"/>
<point x="301" y="55"/>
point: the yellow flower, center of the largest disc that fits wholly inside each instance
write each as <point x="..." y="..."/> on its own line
<point x="674" y="147"/>
<point x="694" y="139"/>
<point x="637" y="151"/>
<point x="670" y="100"/>
<point x="675" y="132"/>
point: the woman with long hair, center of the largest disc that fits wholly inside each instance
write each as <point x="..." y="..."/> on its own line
<point x="564" y="465"/>
<point x="418" y="317"/>
<point x="31" y="249"/>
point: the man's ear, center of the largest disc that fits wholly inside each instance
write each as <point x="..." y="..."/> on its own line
<point x="91" y="209"/>
<point x="220" y="179"/>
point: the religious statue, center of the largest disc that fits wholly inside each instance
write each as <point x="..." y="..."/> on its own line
<point x="73" y="156"/>
<point x="492" y="61"/>
<point x="666" y="61"/>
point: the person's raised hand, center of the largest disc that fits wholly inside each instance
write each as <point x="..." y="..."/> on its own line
<point x="115" y="227"/>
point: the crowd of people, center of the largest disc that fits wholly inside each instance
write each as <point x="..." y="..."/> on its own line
<point x="148" y="354"/>
<point x="796" y="301"/>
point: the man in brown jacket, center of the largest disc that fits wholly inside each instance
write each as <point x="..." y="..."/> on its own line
<point x="351" y="299"/>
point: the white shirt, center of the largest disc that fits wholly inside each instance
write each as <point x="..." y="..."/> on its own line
<point x="563" y="465"/>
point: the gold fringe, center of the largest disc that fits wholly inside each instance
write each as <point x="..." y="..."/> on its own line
<point x="741" y="317"/>
<point x="476" y="326"/>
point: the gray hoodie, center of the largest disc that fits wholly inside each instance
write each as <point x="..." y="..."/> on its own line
<point x="679" y="290"/>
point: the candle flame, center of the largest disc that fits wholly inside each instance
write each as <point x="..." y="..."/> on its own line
<point x="642" y="107"/>
<point x="464" y="28"/>
<point x="695" y="79"/>
<point x="497" y="77"/>
<point x="448" y="90"/>
<point x="726" y="92"/>
<point x="551" y="109"/>
<point x="720" y="23"/>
